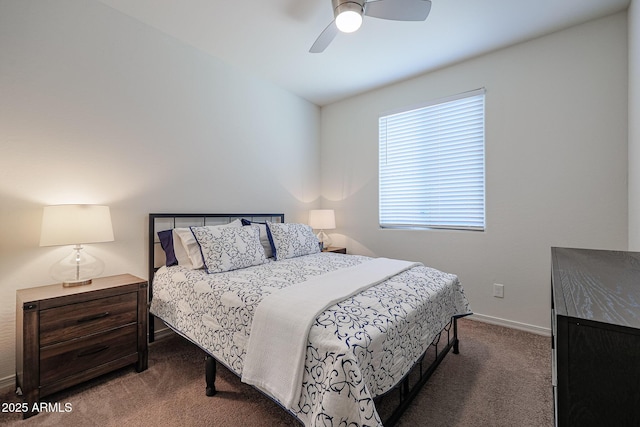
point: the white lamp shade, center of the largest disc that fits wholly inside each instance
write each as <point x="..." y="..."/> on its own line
<point x="75" y="224"/>
<point x="322" y="219"/>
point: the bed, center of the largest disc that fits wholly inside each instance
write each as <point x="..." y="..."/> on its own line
<point x="371" y="331"/>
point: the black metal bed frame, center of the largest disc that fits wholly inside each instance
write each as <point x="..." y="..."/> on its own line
<point x="403" y="393"/>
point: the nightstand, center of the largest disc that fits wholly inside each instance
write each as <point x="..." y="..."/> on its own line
<point x="65" y="336"/>
<point x="335" y="249"/>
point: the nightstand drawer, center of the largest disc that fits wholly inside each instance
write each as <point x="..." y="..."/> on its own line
<point x="62" y="360"/>
<point x="77" y="320"/>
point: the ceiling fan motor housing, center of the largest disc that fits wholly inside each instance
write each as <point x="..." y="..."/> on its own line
<point x="340" y="6"/>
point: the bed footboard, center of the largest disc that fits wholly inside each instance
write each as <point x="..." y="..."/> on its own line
<point x="394" y="403"/>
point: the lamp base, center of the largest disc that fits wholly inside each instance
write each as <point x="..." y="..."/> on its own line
<point x="80" y="283"/>
<point x="77" y="269"/>
<point x="324" y="239"/>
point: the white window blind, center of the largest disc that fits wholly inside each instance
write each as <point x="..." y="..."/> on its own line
<point x="431" y="168"/>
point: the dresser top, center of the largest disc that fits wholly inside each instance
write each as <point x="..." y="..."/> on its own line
<point x="598" y="285"/>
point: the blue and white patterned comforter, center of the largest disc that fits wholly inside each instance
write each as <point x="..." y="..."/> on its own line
<point x="357" y="349"/>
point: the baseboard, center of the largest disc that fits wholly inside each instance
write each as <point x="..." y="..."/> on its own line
<point x="539" y="330"/>
<point x="163" y="333"/>
<point x="7" y="383"/>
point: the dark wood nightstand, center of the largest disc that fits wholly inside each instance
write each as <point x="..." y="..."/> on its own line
<point x="65" y="336"/>
<point x="335" y="249"/>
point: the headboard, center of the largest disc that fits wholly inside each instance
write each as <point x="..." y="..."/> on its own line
<point x="167" y="221"/>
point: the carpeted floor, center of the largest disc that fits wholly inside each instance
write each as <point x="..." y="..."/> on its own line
<point x="502" y="377"/>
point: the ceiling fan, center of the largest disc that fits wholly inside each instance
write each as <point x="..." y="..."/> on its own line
<point x="348" y="16"/>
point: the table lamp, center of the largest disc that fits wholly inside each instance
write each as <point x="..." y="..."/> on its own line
<point x="323" y="219"/>
<point x="76" y="225"/>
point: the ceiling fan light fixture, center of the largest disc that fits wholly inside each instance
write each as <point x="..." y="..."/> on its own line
<point x="348" y="17"/>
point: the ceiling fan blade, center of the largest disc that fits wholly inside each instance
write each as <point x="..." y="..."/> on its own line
<point x="398" y="10"/>
<point x="325" y="38"/>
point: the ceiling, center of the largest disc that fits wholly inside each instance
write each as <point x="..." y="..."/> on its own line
<point x="271" y="38"/>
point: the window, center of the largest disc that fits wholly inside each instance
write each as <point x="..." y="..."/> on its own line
<point x="431" y="167"/>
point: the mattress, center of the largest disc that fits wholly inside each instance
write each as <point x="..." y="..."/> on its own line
<point x="357" y="349"/>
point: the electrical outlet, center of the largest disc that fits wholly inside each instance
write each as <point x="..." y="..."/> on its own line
<point x="498" y="290"/>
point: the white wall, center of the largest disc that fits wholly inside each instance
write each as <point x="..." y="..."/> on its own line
<point x="634" y="125"/>
<point x="96" y="107"/>
<point x="556" y="165"/>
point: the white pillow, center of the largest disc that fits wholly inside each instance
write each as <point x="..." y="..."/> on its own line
<point x="229" y="248"/>
<point x="178" y="248"/>
<point x="189" y="246"/>
<point x="292" y="240"/>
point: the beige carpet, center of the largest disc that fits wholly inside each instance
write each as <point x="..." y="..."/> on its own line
<point x="502" y="377"/>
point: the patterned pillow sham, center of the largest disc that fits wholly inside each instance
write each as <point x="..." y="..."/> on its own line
<point x="229" y="248"/>
<point x="291" y="240"/>
<point x="264" y="238"/>
<point x="190" y="248"/>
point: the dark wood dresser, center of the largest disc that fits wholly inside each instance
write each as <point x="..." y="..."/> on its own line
<point x="595" y="315"/>
<point x="65" y="336"/>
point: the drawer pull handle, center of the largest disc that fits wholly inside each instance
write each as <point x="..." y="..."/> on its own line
<point x="91" y="351"/>
<point x="96" y="317"/>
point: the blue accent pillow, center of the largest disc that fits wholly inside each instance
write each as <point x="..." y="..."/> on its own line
<point x="166" y="241"/>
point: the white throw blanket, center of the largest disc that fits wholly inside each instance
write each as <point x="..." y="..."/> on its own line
<point x="279" y="332"/>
